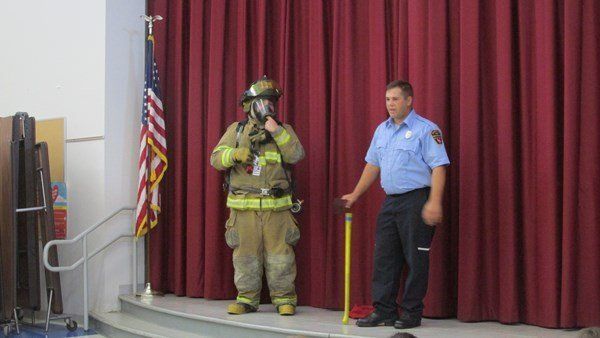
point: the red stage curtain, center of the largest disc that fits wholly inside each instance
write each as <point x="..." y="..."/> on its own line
<point x="514" y="86"/>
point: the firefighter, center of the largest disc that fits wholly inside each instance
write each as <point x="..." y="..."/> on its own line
<point x="261" y="229"/>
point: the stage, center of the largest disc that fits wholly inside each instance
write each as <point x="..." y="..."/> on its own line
<point x="172" y="316"/>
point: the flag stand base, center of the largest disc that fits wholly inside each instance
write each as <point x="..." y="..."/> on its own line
<point x="149" y="293"/>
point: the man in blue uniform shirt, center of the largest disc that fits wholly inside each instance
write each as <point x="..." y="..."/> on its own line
<point x="408" y="151"/>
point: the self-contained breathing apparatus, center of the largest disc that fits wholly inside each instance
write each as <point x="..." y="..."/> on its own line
<point x="259" y="103"/>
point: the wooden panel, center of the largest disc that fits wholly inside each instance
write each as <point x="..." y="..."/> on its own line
<point x="28" y="262"/>
<point x="8" y="273"/>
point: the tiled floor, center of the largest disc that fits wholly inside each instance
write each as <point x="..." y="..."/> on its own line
<point x="55" y="330"/>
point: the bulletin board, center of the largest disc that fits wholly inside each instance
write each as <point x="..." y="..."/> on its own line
<point x="52" y="131"/>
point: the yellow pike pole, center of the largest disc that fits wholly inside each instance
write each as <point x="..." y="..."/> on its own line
<point x="347" y="268"/>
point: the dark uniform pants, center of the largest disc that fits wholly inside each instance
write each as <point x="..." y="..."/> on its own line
<point x="401" y="236"/>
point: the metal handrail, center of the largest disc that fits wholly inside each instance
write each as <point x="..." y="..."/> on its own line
<point x="80" y="261"/>
<point x="84" y="260"/>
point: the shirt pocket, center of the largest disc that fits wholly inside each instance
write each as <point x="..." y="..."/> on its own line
<point x="404" y="151"/>
<point x="381" y="150"/>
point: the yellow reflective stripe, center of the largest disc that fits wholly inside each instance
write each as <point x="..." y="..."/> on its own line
<point x="273" y="157"/>
<point x="269" y="157"/>
<point x="256" y="203"/>
<point x="282" y="138"/>
<point x="219" y="148"/>
<point x="285" y="300"/>
<point x="226" y="158"/>
<point x="246" y="300"/>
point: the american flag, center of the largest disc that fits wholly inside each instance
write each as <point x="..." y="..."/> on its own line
<point x="153" y="148"/>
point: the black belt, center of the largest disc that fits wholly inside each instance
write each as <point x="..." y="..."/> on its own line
<point x="274" y="192"/>
<point x="408" y="192"/>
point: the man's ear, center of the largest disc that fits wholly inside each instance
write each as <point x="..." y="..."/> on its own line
<point x="409" y="101"/>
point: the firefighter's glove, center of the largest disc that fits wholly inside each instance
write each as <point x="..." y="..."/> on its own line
<point x="242" y="155"/>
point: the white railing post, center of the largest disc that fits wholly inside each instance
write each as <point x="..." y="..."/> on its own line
<point x="85" y="284"/>
<point x="134" y="244"/>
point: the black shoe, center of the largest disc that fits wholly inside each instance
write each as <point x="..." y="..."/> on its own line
<point x="376" y="319"/>
<point x="407" y="321"/>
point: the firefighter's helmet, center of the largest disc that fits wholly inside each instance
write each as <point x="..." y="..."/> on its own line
<point x="262" y="88"/>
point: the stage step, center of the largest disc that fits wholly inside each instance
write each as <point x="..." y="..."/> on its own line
<point x="172" y="316"/>
<point x="125" y="325"/>
<point x="182" y="317"/>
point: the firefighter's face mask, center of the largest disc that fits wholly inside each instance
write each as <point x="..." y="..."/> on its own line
<point x="261" y="108"/>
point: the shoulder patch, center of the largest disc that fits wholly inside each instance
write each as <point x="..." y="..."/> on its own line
<point x="437" y="136"/>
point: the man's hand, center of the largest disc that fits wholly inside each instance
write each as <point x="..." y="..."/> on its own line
<point x="242" y="155"/>
<point x="369" y="175"/>
<point x="349" y="199"/>
<point x="432" y="213"/>
<point x="272" y="126"/>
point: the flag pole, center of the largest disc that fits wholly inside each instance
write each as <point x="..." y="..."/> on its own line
<point x="148" y="292"/>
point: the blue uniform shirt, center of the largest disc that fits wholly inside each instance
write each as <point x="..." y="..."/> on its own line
<point x="407" y="153"/>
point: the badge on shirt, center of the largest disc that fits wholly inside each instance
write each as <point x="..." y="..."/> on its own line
<point x="408" y="134"/>
<point x="437" y="136"/>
